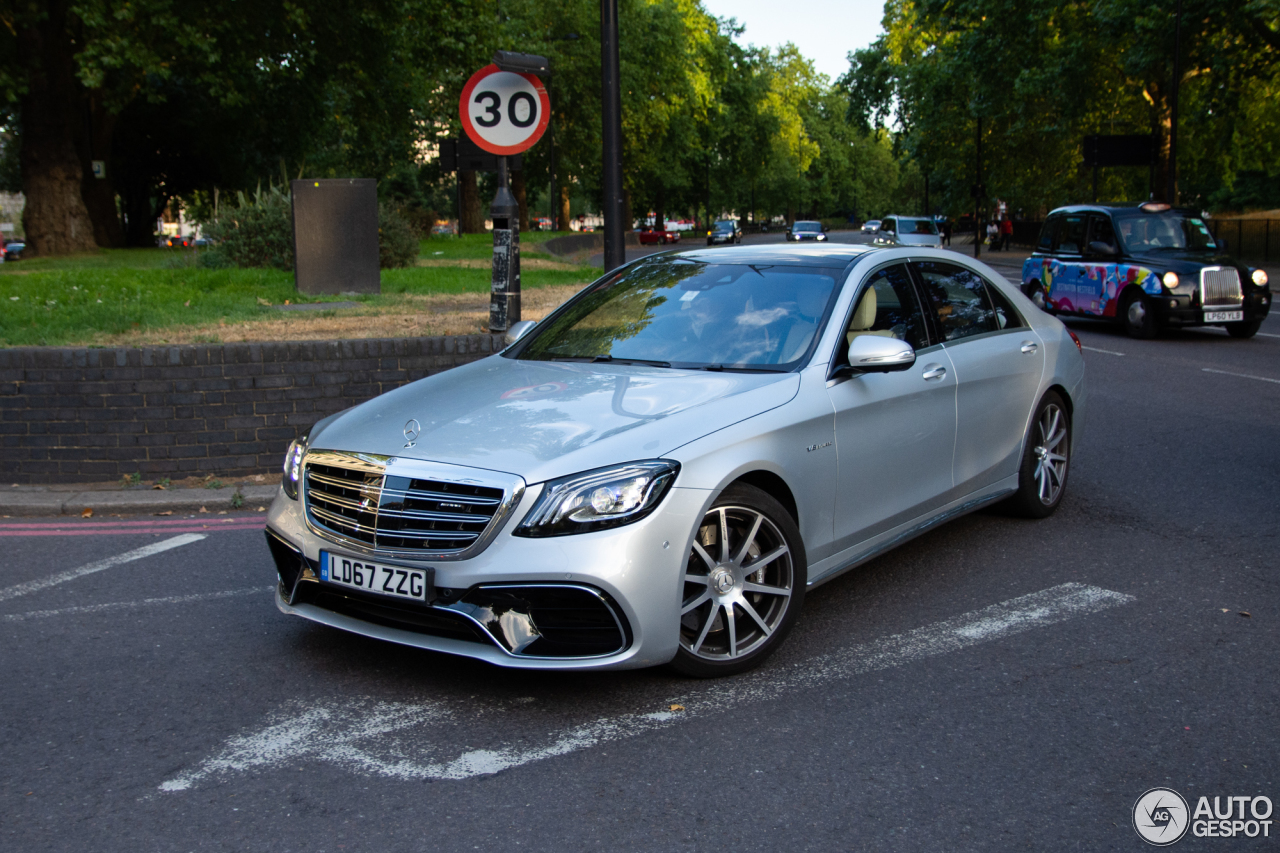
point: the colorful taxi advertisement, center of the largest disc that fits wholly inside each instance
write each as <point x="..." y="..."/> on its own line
<point x="1147" y="267"/>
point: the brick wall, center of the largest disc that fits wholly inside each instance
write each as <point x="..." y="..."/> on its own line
<point x="80" y="415"/>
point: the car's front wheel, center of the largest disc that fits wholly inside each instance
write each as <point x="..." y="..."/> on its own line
<point x="1243" y="330"/>
<point x="1042" y="479"/>
<point x="744" y="583"/>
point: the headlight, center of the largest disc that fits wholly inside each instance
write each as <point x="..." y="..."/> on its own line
<point x="1260" y="278"/>
<point x="595" y="500"/>
<point x="293" y="466"/>
<point x="1170" y="280"/>
<point x="822" y="236"/>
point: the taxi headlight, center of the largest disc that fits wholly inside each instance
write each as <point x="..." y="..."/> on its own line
<point x="1260" y="278"/>
<point x="1170" y="280"/>
<point x="595" y="500"/>
<point x="293" y="466"/>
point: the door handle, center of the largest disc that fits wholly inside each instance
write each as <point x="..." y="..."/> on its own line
<point x="933" y="371"/>
<point x="1028" y="347"/>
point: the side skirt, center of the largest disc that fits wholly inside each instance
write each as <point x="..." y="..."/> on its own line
<point x="837" y="564"/>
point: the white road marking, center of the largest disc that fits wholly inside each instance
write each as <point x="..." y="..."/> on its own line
<point x="129" y="605"/>
<point x="1095" y="349"/>
<point x="363" y="736"/>
<point x="109" y="562"/>
<point x="1241" y="375"/>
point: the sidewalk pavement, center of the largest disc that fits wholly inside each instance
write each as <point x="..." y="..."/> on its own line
<point x="75" y="499"/>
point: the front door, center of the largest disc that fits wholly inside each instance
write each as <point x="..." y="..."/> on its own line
<point x="895" y="432"/>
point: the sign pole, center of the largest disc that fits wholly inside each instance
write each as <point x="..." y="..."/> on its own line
<point x="504" y="293"/>
<point x="611" y="162"/>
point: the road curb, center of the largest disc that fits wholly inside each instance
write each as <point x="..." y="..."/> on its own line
<point x="44" y="502"/>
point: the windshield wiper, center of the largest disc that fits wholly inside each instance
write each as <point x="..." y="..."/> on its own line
<point x="608" y="359"/>
<point x="733" y="368"/>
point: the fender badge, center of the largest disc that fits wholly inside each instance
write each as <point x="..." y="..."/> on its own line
<point x="412" y="429"/>
<point x="814" y="447"/>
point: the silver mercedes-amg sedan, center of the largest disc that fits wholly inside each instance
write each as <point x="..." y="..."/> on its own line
<point x="658" y="470"/>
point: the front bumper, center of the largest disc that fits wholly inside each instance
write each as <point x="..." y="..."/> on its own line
<point x="490" y="605"/>
<point x="1176" y="311"/>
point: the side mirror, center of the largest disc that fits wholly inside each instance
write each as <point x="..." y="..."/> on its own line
<point x="518" y="331"/>
<point x="1097" y="247"/>
<point x="878" y="354"/>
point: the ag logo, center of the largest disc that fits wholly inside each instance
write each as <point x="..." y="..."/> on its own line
<point x="1160" y="817"/>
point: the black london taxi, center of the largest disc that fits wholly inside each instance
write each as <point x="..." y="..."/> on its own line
<point x="1147" y="266"/>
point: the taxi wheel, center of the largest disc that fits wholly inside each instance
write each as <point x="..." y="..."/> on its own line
<point x="744" y="584"/>
<point x="1138" y="317"/>
<point x="1244" y="330"/>
<point x="1042" y="480"/>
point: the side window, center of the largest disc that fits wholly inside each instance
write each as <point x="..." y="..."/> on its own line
<point x="888" y="307"/>
<point x="1100" y="230"/>
<point x="1045" y="243"/>
<point x="958" y="298"/>
<point x="1070" y="236"/>
<point x="888" y="225"/>
<point x="1006" y="316"/>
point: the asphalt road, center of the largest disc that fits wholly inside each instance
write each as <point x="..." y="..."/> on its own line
<point x="162" y="703"/>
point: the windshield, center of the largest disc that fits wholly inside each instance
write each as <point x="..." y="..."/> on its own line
<point x="724" y="226"/>
<point x="917" y="226"/>
<point x="1143" y="232"/>
<point x="684" y="314"/>
<point x="807" y="226"/>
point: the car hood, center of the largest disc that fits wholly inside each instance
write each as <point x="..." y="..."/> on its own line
<point x="541" y="420"/>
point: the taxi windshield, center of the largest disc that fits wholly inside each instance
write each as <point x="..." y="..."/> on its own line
<point x="691" y="315"/>
<point x="1145" y="232"/>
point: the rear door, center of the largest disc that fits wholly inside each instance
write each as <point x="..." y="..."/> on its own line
<point x="998" y="361"/>
<point x="1068" y="263"/>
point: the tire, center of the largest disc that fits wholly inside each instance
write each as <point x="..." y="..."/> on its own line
<point x="731" y="619"/>
<point x="1244" y="330"/>
<point x="1138" y="317"/>
<point x="1046" y="457"/>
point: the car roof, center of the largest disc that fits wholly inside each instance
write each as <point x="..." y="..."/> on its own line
<point x="1114" y="208"/>
<point x="811" y="255"/>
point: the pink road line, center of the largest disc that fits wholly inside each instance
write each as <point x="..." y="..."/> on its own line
<point x="191" y="527"/>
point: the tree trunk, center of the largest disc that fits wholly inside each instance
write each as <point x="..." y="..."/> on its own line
<point x="628" y="218"/>
<point x="563" y="213"/>
<point x="1157" y="94"/>
<point x="472" y="221"/>
<point x="55" y="218"/>
<point x="521" y="193"/>
<point x="99" y="194"/>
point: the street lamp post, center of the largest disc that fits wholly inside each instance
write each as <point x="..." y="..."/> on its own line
<point x="611" y="159"/>
<point x="1173" y="111"/>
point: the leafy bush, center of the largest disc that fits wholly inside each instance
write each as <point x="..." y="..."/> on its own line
<point x="256" y="231"/>
<point x="397" y="241"/>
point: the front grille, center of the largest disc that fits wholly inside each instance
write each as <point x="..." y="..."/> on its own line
<point x="1220" y="287"/>
<point x="353" y="497"/>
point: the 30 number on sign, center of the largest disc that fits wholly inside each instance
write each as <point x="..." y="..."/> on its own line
<point x="504" y="112"/>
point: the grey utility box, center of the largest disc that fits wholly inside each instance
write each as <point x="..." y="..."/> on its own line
<point x="335" y="235"/>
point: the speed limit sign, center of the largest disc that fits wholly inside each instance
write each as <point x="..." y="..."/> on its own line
<point x="504" y="112"/>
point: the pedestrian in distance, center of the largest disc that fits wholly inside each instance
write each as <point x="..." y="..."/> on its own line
<point x="946" y="231"/>
<point x="1006" y="231"/>
<point x="993" y="235"/>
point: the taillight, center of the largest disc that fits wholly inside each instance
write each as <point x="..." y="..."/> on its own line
<point x="1079" y="346"/>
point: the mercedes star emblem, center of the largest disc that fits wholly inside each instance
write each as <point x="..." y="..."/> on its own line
<point x="411" y="431"/>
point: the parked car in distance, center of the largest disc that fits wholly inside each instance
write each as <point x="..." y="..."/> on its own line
<point x="13" y="250"/>
<point x="724" y="231"/>
<point x="1146" y="267"/>
<point x="908" y="231"/>
<point x="870" y="226"/>
<point x="802" y="230"/>
<point x="652" y="235"/>
<point x="658" y="470"/>
<point x="176" y="241"/>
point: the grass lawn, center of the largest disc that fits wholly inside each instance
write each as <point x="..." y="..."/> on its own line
<point x="105" y="297"/>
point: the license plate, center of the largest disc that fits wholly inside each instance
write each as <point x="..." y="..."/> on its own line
<point x="1223" y="316"/>
<point x="358" y="573"/>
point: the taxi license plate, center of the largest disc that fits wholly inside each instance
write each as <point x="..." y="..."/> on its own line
<point x="358" y="573"/>
<point x="1223" y="316"/>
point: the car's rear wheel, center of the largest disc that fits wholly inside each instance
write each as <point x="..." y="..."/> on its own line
<point x="1138" y="317"/>
<point x="1247" y="329"/>
<point x="1042" y="479"/>
<point x="744" y="583"/>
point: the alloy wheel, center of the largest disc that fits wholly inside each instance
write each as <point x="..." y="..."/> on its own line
<point x="738" y="583"/>
<point x="1050" y="453"/>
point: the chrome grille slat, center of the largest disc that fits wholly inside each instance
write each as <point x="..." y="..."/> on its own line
<point x="1220" y="287"/>
<point x="356" y="500"/>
